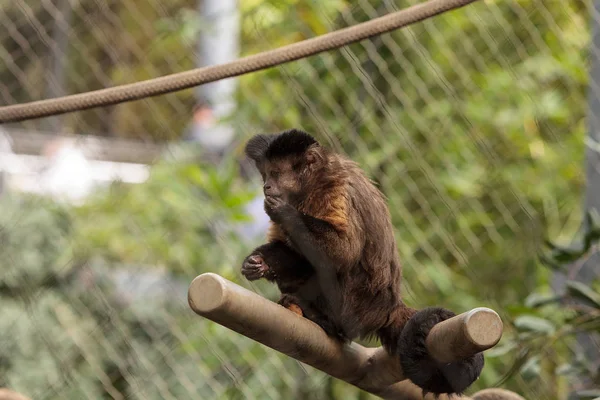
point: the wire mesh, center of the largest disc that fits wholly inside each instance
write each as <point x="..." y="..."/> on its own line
<point x="471" y="123"/>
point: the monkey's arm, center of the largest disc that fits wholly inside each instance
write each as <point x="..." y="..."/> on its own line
<point x="319" y="242"/>
<point x="275" y="261"/>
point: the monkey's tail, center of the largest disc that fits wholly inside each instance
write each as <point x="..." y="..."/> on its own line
<point x="391" y="332"/>
<point x="404" y="336"/>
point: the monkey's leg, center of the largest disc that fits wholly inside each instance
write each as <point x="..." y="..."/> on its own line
<point x="313" y="313"/>
<point x="292" y="303"/>
<point x="275" y="261"/>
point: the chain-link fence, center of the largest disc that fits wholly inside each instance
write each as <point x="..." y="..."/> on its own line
<point x="472" y="123"/>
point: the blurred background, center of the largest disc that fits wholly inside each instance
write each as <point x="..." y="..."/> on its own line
<point x="479" y="126"/>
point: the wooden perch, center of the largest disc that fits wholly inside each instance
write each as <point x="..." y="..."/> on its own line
<point x="7" y="394"/>
<point x="370" y="369"/>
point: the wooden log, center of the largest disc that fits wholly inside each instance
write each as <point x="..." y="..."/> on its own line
<point x="370" y="369"/>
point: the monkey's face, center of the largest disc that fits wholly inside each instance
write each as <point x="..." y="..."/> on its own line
<point x="282" y="177"/>
<point x="287" y="162"/>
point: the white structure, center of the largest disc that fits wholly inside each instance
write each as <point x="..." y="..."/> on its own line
<point x="218" y="43"/>
<point x="5" y="151"/>
<point x="63" y="171"/>
<point x="69" y="175"/>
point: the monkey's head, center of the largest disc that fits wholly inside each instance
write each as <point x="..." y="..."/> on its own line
<point x="287" y="161"/>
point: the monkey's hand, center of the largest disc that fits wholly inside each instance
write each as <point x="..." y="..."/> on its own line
<point x="276" y="208"/>
<point x="254" y="267"/>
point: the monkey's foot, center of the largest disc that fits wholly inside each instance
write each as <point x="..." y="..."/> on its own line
<point x="425" y="372"/>
<point x="289" y="303"/>
<point x="254" y="267"/>
<point x="295" y="308"/>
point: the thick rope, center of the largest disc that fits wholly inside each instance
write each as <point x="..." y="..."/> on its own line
<point x="199" y="76"/>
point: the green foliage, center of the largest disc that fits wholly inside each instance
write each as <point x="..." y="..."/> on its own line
<point x="65" y="332"/>
<point x="472" y="124"/>
<point x="20" y="222"/>
<point x="38" y="326"/>
<point x="548" y="323"/>
<point x="171" y="220"/>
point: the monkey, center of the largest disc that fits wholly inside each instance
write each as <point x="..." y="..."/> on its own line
<point x="332" y="252"/>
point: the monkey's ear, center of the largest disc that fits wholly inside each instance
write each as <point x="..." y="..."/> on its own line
<point x="257" y="146"/>
<point x="313" y="154"/>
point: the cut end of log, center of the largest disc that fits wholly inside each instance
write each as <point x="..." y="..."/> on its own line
<point x="483" y="327"/>
<point x="464" y="335"/>
<point x="206" y="293"/>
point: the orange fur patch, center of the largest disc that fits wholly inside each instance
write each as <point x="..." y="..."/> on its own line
<point x="276" y="233"/>
<point x="331" y="207"/>
<point x="295" y="309"/>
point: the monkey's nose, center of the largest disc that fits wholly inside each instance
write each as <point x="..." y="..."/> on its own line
<point x="267" y="186"/>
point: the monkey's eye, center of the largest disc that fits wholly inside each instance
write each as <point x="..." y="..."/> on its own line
<point x="275" y="174"/>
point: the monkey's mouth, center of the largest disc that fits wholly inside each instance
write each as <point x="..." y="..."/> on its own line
<point x="271" y="193"/>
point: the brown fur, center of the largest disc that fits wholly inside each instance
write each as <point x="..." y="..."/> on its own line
<point x="360" y="242"/>
<point x="275" y="232"/>
<point x="332" y="252"/>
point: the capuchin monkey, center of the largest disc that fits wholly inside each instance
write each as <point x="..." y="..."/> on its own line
<point x="331" y="251"/>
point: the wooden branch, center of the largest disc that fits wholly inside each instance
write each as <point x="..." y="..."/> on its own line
<point x="496" y="394"/>
<point x="370" y="369"/>
<point x="7" y="394"/>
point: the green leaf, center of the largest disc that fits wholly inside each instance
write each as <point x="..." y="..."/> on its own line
<point x="584" y="293"/>
<point x="501" y="350"/>
<point x="593" y="219"/>
<point x="549" y="262"/>
<point x="591" y="237"/>
<point x="538" y="299"/>
<point x="568" y="370"/>
<point x="567" y="255"/>
<point x="534" y="324"/>
<point x="531" y="369"/>
<point x="592" y="394"/>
